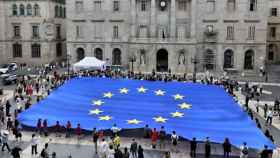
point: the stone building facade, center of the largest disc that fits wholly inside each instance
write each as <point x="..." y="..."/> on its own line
<point x="164" y="35"/>
<point x="32" y="32"/>
<point x="273" y="32"/>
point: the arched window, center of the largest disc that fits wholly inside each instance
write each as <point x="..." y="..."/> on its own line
<point x="29" y="9"/>
<point x="56" y="11"/>
<point x="35" y="50"/>
<point x="80" y="54"/>
<point x="116" y="57"/>
<point x="98" y="53"/>
<point x="36" y="10"/>
<point x="17" y="50"/>
<point x="15" y="10"/>
<point x="249" y="60"/>
<point x="228" y="59"/>
<point x="21" y="9"/>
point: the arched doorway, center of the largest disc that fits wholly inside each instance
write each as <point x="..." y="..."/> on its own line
<point x="162" y="60"/>
<point x="98" y="53"/>
<point x="249" y="60"/>
<point x="116" y="54"/>
<point x="80" y="54"/>
<point x="228" y="59"/>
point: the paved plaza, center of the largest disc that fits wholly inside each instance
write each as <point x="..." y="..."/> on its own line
<point x="84" y="148"/>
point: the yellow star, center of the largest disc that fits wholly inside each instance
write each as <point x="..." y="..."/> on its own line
<point x="97" y="102"/>
<point x="177" y="114"/>
<point x="124" y="90"/>
<point x="160" y="92"/>
<point x="160" y="119"/>
<point x="185" y="106"/>
<point x="134" y="121"/>
<point x="108" y="95"/>
<point x="142" y="89"/>
<point x="178" y="97"/>
<point x="105" y="118"/>
<point x="96" y="112"/>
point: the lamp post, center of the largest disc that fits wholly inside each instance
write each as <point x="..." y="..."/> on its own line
<point x="132" y="60"/>
<point x="68" y="63"/>
<point x="195" y="61"/>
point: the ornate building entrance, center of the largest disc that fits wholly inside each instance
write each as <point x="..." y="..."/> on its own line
<point x="162" y="60"/>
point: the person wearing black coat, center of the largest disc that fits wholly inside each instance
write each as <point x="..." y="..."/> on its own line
<point x="140" y="152"/>
<point x="193" y="144"/>
<point x="227" y="148"/>
<point x="207" y="148"/>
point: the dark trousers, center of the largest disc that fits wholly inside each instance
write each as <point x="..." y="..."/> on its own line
<point x="5" y="145"/>
<point x="226" y="154"/>
<point x="34" y="149"/>
<point x="193" y="153"/>
<point x="95" y="147"/>
<point x="134" y="154"/>
<point x="269" y="120"/>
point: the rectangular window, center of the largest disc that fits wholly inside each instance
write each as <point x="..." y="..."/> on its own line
<point x="182" y="5"/>
<point x="17" y="50"/>
<point x="143" y="5"/>
<point x="35" y="31"/>
<point x="211" y="6"/>
<point x="115" y="32"/>
<point x="251" y="32"/>
<point x="97" y="6"/>
<point x="58" y="32"/>
<point x="273" y="32"/>
<point x="252" y="5"/>
<point x="79" y="6"/>
<point x="273" y="11"/>
<point x="98" y="30"/>
<point x="231" y="5"/>
<point x="116" y="6"/>
<point x="58" y="49"/>
<point x="35" y="50"/>
<point x="79" y="31"/>
<point x="17" y="31"/>
<point x="230" y="33"/>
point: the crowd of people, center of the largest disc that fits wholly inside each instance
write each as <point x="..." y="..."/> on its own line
<point x="31" y="90"/>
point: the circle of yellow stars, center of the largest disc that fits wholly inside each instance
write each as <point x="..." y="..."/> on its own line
<point x="141" y="89"/>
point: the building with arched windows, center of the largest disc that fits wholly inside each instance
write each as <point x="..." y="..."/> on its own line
<point x="165" y="35"/>
<point x="32" y="32"/>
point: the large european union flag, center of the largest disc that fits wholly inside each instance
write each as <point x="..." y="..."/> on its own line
<point x="192" y="110"/>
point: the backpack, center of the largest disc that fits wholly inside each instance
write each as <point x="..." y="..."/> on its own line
<point x="43" y="153"/>
<point x="245" y="150"/>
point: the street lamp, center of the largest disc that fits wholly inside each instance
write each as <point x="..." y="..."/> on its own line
<point x="68" y="58"/>
<point x="195" y="61"/>
<point x="132" y="60"/>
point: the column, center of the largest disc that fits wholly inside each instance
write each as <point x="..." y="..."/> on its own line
<point x="193" y="18"/>
<point x="133" y="19"/>
<point x="153" y="19"/>
<point x="173" y="19"/>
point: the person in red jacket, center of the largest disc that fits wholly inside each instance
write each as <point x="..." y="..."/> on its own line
<point x="68" y="129"/>
<point x="154" y="137"/>
<point x="79" y="131"/>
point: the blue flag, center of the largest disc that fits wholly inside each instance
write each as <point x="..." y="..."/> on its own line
<point x="192" y="110"/>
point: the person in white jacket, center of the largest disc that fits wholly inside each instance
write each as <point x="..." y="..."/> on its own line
<point x="104" y="147"/>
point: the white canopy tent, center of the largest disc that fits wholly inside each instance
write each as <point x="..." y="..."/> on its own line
<point x="89" y="63"/>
